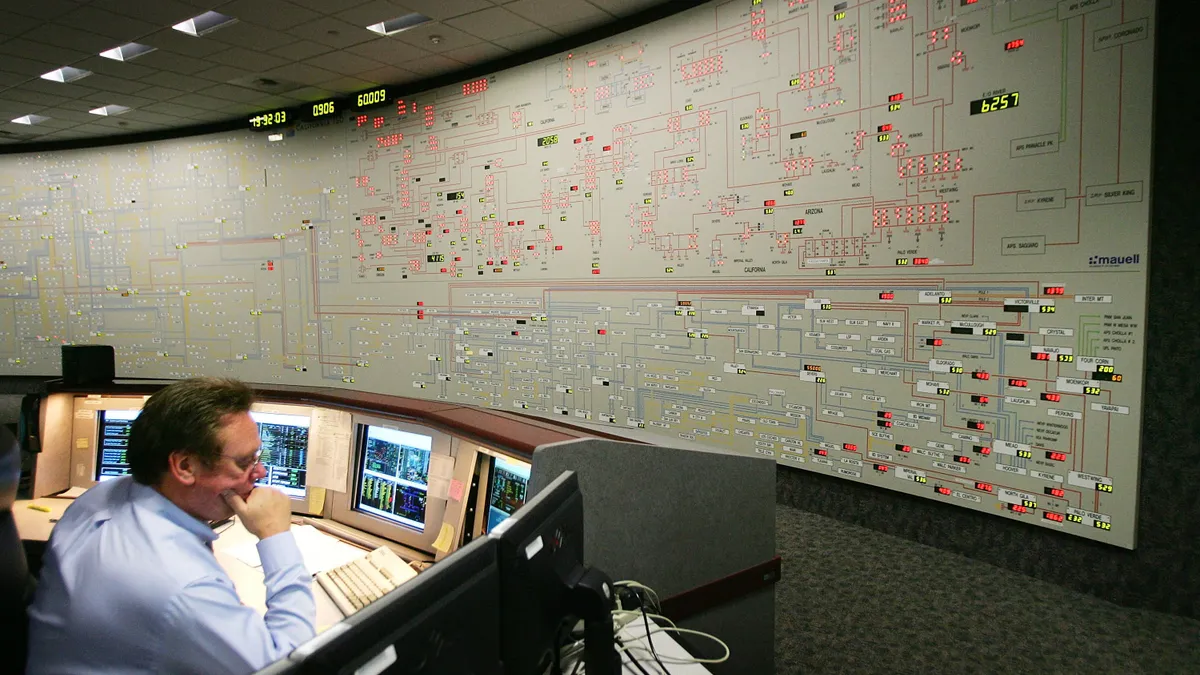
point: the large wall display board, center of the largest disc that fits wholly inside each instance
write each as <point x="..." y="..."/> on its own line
<point x="902" y="243"/>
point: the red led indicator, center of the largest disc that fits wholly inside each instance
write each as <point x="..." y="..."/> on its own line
<point x="1018" y="383"/>
<point x="903" y="448"/>
<point x="769" y="202"/>
<point x="360" y="120"/>
<point x="574" y="188"/>
<point x="602" y="331"/>
<point x="986" y="487"/>
<point x="377" y="122"/>
<point x="443" y="270"/>
<point x="822" y="452"/>
<point x="981" y="375"/>
<point x="607" y="148"/>
<point x="797" y="222"/>
<point x="933" y="342"/>
<point x="1017" y="508"/>
<point x="1056" y="492"/>
<point x="983" y="450"/>
<point x="529" y="247"/>
<point x="920" y="261"/>
<point x="893" y="98"/>
<point x="1054" y="290"/>
<point x="944" y="491"/>
<point x="420" y="303"/>
<point x="1039" y="356"/>
<point x="1057" y="456"/>
<point x="977" y="426"/>
<point x="595" y="271"/>
<point x="885" y="127"/>
<point x="1049" y="515"/>
<point x="1053" y="398"/>
<point x="1013" y="45"/>
<point x="885" y="414"/>
<point x="849" y="447"/>
<point x="591" y="138"/>
<point x="516" y="332"/>
<point x="558" y="248"/>
<point x="882" y="468"/>
<point x="886" y="424"/>
<point x="887" y="295"/>
<point x="962" y="459"/>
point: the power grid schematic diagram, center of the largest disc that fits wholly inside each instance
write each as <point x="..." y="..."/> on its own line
<point x="903" y="244"/>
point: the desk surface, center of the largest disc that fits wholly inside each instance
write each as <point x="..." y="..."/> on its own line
<point x="36" y="525"/>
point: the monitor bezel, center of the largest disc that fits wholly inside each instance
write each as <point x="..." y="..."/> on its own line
<point x="312" y="502"/>
<point x="343" y="504"/>
<point x="490" y="485"/>
<point x="86" y="421"/>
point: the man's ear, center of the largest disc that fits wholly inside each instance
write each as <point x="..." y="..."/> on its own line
<point x="182" y="466"/>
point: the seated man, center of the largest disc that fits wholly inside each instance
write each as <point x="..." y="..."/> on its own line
<point x="130" y="583"/>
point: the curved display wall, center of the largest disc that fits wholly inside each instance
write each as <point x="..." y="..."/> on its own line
<point x="903" y="244"/>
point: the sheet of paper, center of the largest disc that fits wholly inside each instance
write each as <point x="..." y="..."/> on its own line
<point x="439" y="488"/>
<point x="320" y="551"/>
<point x="456" y="490"/>
<point x="81" y="443"/>
<point x="441" y="466"/>
<point x="329" y="449"/>
<point x="445" y="538"/>
<point x="72" y="493"/>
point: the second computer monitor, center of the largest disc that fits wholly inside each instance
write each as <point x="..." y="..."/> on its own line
<point x="284" y="439"/>
<point x="112" y="442"/>
<point x="508" y="485"/>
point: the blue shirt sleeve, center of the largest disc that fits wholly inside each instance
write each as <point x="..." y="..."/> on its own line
<point x="213" y="632"/>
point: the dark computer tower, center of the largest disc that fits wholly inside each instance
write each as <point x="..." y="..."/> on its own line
<point x="88" y="365"/>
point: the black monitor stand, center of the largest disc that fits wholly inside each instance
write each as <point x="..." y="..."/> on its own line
<point x="591" y="599"/>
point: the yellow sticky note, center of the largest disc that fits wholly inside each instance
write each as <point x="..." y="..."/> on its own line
<point x="445" y="538"/>
<point x="81" y="443"/>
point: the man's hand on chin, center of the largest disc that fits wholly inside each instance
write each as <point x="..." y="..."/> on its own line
<point x="264" y="511"/>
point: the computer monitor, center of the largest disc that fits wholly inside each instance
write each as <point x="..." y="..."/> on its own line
<point x="545" y="587"/>
<point x="443" y="621"/>
<point x="284" y="450"/>
<point x="390" y="487"/>
<point x="508" y="485"/>
<point x="112" y="443"/>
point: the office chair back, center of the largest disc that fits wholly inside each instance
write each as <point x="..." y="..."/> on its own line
<point x="16" y="585"/>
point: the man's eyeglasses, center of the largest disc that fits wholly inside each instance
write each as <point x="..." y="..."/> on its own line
<point x="246" y="463"/>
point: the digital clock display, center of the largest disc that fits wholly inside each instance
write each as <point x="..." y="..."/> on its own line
<point x="371" y="98"/>
<point x="270" y="119"/>
<point x="324" y="109"/>
<point x="455" y="196"/>
<point x="994" y="103"/>
<point x="547" y="140"/>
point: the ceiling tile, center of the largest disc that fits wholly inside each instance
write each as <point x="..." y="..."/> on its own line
<point x="200" y="102"/>
<point x="548" y="12"/>
<point x="161" y="93"/>
<point x="302" y="73"/>
<point x="11" y="79"/>
<point x="57" y="88"/>
<point x="41" y="51"/>
<point x="180" y="43"/>
<point x="276" y="14"/>
<point x="373" y="12"/>
<point x="155" y="117"/>
<point x="31" y="97"/>
<point x="476" y="54"/>
<point x="343" y="63"/>
<point x="263" y="39"/>
<point x="493" y="23"/>
<point x="450" y="38"/>
<point x="176" y="63"/>
<point x="105" y="98"/>
<point x="248" y="60"/>
<point x="176" y="109"/>
<point x="435" y="64"/>
<point x="328" y="6"/>
<point x="348" y="85"/>
<point x="113" y="84"/>
<point x="161" y="12"/>
<point x="15" y="24"/>
<point x="445" y="9"/>
<point x="177" y="81"/>
<point x="223" y="73"/>
<point x="229" y="92"/>
<point x="303" y="49"/>
<point x="333" y="32"/>
<point x="528" y="40"/>
<point x="74" y="116"/>
<point x="625" y="7"/>
<point x="71" y="38"/>
<point x="308" y="94"/>
<point x="269" y="102"/>
<point x="388" y="50"/>
<point x="103" y="66"/>
<point x="42" y="9"/>
<point x="574" y="27"/>
<point x="389" y="75"/>
<point x="118" y="27"/>
<point x="31" y="67"/>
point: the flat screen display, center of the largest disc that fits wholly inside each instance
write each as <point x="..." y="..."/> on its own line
<point x="284" y="450"/>
<point x="506" y="494"/>
<point x="113" y="442"/>
<point x="393" y="475"/>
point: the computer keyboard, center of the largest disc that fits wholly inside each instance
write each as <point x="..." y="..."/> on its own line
<point x="360" y="582"/>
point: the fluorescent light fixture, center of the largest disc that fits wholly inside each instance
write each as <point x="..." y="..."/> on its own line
<point x="203" y="24"/>
<point x="66" y="74"/>
<point x="274" y="137"/>
<point x="108" y="110"/>
<point x="399" y="24"/>
<point x="30" y="119"/>
<point x="127" y="52"/>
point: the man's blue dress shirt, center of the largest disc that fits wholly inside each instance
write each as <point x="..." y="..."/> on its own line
<point x="130" y="585"/>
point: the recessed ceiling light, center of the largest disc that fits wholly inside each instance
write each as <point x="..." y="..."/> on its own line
<point x="108" y="110"/>
<point x="399" y="24"/>
<point x="274" y="137"/>
<point x="66" y="74"/>
<point x="204" y="24"/>
<point x="30" y="119"/>
<point x="127" y="52"/>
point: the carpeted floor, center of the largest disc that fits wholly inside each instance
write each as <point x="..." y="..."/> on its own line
<point x="853" y="600"/>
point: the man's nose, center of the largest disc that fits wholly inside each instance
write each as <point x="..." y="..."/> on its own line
<point x="259" y="471"/>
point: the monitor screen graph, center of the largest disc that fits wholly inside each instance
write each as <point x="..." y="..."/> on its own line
<point x="113" y="442"/>
<point x="393" y="479"/>
<point x="284" y="450"/>
<point x="509" y="485"/>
